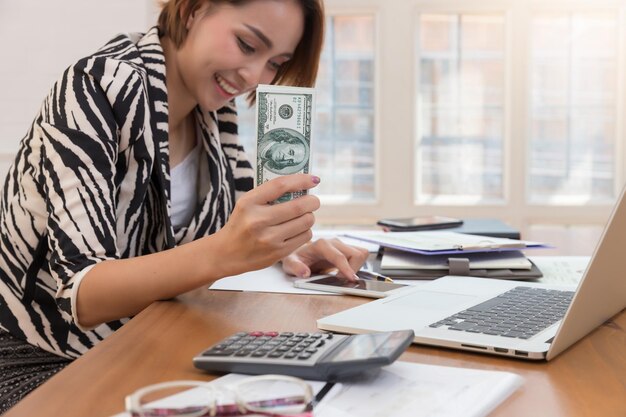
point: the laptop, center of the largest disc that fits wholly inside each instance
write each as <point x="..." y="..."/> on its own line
<point x="519" y="319"/>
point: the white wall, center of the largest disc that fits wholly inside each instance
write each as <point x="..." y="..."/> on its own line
<point x="39" y="39"/>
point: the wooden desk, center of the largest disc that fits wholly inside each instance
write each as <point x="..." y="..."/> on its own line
<point x="589" y="379"/>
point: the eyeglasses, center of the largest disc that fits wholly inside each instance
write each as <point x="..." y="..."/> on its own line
<point x="267" y="395"/>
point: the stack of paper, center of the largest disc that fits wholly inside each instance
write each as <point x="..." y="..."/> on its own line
<point x="415" y="390"/>
<point x="432" y="254"/>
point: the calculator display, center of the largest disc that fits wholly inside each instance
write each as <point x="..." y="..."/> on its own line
<point x="363" y="346"/>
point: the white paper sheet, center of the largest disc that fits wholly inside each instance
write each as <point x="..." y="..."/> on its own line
<point x="561" y="270"/>
<point x="271" y="279"/>
<point x="413" y="390"/>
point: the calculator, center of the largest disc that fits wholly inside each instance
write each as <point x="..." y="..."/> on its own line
<point x="316" y="356"/>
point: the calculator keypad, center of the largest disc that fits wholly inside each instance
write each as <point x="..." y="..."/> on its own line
<point x="274" y="345"/>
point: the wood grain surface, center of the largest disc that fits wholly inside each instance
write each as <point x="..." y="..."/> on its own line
<point x="588" y="379"/>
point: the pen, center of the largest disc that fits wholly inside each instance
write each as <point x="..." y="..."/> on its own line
<point x="372" y="275"/>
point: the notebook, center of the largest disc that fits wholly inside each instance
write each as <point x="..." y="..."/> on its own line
<point x="483" y="315"/>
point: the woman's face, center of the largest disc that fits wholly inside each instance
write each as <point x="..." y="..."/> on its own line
<point x="229" y="50"/>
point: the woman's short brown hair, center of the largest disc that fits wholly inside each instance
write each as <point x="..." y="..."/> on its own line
<point x="300" y="71"/>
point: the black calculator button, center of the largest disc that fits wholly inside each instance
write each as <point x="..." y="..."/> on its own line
<point x="304" y="355"/>
<point x="316" y="335"/>
<point x="286" y="334"/>
<point x="275" y="354"/>
<point x="290" y="355"/>
<point x="311" y="350"/>
<point x="258" y="353"/>
<point x="243" y="353"/>
<point x="221" y="346"/>
<point x="320" y="343"/>
<point x="240" y="334"/>
<point x="226" y="352"/>
<point x="302" y="335"/>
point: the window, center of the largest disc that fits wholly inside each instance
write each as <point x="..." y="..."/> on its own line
<point x="573" y="119"/>
<point x="461" y="106"/>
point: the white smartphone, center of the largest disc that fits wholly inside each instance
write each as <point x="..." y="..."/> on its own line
<point x="362" y="287"/>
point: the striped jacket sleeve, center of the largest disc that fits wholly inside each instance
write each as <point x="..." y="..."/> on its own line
<point x="84" y="116"/>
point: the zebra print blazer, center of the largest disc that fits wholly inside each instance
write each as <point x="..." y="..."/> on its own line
<point x="90" y="182"/>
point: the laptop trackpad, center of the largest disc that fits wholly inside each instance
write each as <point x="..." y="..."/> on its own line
<point x="435" y="301"/>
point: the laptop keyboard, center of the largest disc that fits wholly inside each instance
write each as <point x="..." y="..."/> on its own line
<point x="520" y="313"/>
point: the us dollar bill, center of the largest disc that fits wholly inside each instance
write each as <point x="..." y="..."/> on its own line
<point x="284" y="124"/>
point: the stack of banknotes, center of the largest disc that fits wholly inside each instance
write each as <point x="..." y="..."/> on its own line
<point x="284" y="125"/>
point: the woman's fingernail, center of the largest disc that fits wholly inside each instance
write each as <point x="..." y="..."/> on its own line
<point x="356" y="277"/>
<point x="316" y="180"/>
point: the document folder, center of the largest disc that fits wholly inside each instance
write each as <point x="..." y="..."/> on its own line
<point x="438" y="242"/>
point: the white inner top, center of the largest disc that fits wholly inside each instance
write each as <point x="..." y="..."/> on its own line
<point x="184" y="194"/>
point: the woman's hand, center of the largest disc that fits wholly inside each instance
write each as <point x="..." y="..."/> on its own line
<point x="323" y="254"/>
<point x="258" y="233"/>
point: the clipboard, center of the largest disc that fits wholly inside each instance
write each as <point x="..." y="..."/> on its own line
<point x="443" y="242"/>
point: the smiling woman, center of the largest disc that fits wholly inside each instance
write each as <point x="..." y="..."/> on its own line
<point x="300" y="70"/>
<point x="97" y="229"/>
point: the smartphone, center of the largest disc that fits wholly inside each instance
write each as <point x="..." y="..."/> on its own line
<point x="362" y="287"/>
<point x="419" y="223"/>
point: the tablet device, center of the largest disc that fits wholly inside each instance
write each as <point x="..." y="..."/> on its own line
<point x="362" y="287"/>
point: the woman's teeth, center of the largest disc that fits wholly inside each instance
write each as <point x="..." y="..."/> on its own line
<point x="225" y="86"/>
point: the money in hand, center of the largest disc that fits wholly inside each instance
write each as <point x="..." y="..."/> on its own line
<point x="284" y="123"/>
